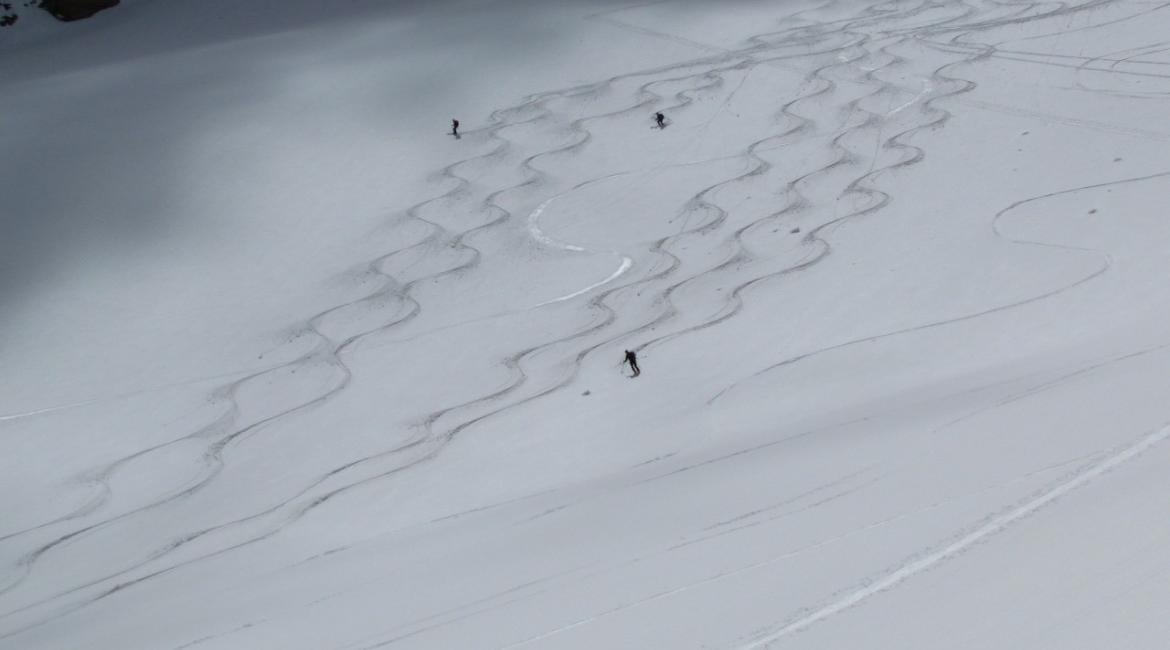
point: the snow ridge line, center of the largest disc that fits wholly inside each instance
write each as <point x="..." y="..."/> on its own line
<point x="996" y="525"/>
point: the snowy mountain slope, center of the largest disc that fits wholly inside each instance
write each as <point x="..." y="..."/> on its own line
<point x="285" y="366"/>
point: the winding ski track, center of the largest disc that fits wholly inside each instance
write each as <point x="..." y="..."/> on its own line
<point x="332" y="337"/>
<point x="228" y="428"/>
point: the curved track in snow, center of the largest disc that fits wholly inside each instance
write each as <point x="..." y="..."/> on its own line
<point x="860" y="49"/>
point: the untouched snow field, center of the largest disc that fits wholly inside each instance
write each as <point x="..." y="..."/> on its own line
<point x="285" y="365"/>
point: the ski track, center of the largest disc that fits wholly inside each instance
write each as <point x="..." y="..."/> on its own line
<point x="836" y="38"/>
<point x="1106" y="263"/>
<point x="994" y="525"/>
<point x="461" y="613"/>
<point x="539" y="235"/>
<point x="374" y="266"/>
<point x="1102" y="464"/>
<point x="331" y="350"/>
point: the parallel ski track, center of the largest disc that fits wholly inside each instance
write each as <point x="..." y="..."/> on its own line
<point x="227" y="428"/>
<point x="327" y="354"/>
<point x="939" y="78"/>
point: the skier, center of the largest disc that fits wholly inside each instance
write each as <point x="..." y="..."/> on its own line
<point x="661" y="119"/>
<point x="455" y="128"/>
<point x="632" y="359"/>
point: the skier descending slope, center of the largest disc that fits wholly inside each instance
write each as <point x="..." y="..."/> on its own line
<point x="632" y="359"/>
<point x="455" y="128"/>
<point x="660" y="119"/>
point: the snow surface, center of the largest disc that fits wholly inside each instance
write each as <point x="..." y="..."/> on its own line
<point x="284" y="365"/>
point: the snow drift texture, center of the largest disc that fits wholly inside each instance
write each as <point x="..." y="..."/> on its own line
<point x="285" y="365"/>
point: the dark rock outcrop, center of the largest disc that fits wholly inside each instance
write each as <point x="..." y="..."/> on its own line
<point x="75" y="9"/>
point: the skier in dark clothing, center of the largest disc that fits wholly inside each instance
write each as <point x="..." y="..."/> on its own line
<point x="661" y="119"/>
<point x="632" y="359"/>
<point x="455" y="128"/>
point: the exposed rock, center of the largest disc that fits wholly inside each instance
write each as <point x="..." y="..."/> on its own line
<point x="75" y="9"/>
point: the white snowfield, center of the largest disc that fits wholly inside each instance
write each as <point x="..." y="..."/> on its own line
<point x="283" y="364"/>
